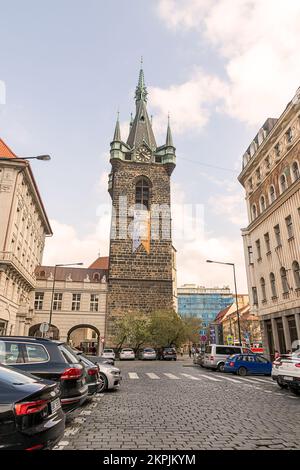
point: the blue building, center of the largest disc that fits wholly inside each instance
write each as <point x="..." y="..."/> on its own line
<point x="203" y="302"/>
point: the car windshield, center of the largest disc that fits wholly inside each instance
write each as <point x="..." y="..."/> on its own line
<point x="149" y="350"/>
<point x="127" y="350"/>
<point x="107" y="350"/>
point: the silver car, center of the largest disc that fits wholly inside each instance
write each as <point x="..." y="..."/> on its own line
<point x="110" y="377"/>
<point x="148" y="353"/>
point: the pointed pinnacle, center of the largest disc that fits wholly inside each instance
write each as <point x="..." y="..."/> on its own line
<point x="117" y="133"/>
<point x="169" y="139"/>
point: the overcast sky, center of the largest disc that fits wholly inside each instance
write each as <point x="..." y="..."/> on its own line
<point x="219" y="67"/>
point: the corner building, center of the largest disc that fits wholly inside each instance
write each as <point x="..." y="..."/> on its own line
<point x="140" y="269"/>
<point x="271" y="178"/>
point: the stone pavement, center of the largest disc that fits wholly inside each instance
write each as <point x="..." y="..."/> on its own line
<point x="166" y="405"/>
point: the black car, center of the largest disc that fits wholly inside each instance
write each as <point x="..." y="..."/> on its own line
<point x="47" y="359"/>
<point x="31" y="417"/>
<point x="168" y="354"/>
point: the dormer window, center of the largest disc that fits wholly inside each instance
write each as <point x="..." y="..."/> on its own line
<point x="142" y="118"/>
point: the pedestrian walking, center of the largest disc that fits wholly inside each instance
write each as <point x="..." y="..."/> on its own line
<point x="190" y="352"/>
<point x="193" y="351"/>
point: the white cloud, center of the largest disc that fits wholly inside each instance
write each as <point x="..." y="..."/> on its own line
<point x="258" y="42"/>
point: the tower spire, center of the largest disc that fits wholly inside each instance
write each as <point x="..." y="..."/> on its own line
<point x="169" y="139"/>
<point x="117" y="133"/>
<point x="141" y="90"/>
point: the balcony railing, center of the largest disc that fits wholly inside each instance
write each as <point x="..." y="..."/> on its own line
<point x="9" y="259"/>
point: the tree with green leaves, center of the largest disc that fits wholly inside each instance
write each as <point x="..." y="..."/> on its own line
<point x="132" y="329"/>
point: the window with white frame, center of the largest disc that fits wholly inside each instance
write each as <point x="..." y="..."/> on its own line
<point x="283" y="183"/>
<point x="38" y="301"/>
<point x="273" y="285"/>
<point x="284" y="280"/>
<point x="263" y="289"/>
<point x="262" y="203"/>
<point x="289" y="226"/>
<point x="296" y="272"/>
<point x="57" y="301"/>
<point x="94" y="304"/>
<point x="277" y="234"/>
<point x="295" y="171"/>
<point x="272" y="194"/>
<point x="76" y="298"/>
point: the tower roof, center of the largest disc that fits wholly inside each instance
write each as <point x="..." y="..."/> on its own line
<point x="141" y="128"/>
<point x="5" y="151"/>
<point x="117" y="133"/>
<point x="169" y="139"/>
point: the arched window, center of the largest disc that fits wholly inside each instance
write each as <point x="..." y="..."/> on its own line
<point x="142" y="192"/>
<point x="296" y="271"/>
<point x="295" y="171"/>
<point x="272" y="194"/>
<point x="96" y="277"/>
<point x="284" y="280"/>
<point x="273" y="285"/>
<point x="254" y="212"/>
<point x="262" y="203"/>
<point x="283" y="183"/>
<point x="263" y="289"/>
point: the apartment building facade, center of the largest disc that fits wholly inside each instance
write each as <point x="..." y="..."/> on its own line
<point x="271" y="178"/>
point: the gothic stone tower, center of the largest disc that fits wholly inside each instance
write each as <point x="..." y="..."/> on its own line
<point x="140" y="269"/>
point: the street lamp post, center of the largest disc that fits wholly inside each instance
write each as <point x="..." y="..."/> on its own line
<point x="38" y="157"/>
<point x="236" y="295"/>
<point x="53" y="288"/>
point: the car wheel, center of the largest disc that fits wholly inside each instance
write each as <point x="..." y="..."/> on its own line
<point x="242" y="371"/>
<point x="294" y="390"/>
<point x="281" y="383"/>
<point x="103" y="383"/>
<point x="175" y="359"/>
<point x="220" y="367"/>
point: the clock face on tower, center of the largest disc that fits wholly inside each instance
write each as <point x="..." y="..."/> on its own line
<point x="143" y="154"/>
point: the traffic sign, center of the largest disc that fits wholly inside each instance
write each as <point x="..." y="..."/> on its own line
<point x="44" y="327"/>
<point x="229" y="339"/>
<point x="203" y="338"/>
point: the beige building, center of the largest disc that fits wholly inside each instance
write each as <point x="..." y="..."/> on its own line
<point x="23" y="228"/>
<point x="270" y="176"/>
<point x="79" y="302"/>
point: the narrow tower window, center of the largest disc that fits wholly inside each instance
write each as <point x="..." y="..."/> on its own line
<point x="142" y="192"/>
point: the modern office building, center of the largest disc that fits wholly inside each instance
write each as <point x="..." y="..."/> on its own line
<point x="203" y="302"/>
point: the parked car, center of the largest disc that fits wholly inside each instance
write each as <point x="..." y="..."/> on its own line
<point x="198" y="358"/>
<point x="244" y="364"/>
<point x="108" y="354"/>
<point x="216" y="354"/>
<point x="92" y="375"/>
<point x="31" y="417"/>
<point x="127" y="354"/>
<point x="288" y="372"/>
<point x="168" y="354"/>
<point x="109" y="376"/>
<point x="47" y="359"/>
<point x="100" y="360"/>
<point x="148" y="354"/>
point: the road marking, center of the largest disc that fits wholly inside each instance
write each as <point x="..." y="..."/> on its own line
<point x="133" y="375"/>
<point x="171" y="376"/>
<point x="211" y="378"/>
<point x="152" y="376"/>
<point x="246" y="380"/>
<point x="290" y="396"/>
<point x="190" y="376"/>
<point x="261" y="380"/>
<point x="232" y="380"/>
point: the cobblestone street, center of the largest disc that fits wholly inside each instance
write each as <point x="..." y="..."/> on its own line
<point x="178" y="406"/>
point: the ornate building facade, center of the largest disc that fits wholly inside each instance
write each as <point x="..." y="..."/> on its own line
<point x="77" y="298"/>
<point x="271" y="178"/>
<point x="23" y="228"/>
<point x="141" y="270"/>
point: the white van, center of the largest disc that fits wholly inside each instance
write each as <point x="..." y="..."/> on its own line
<point x="216" y="354"/>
